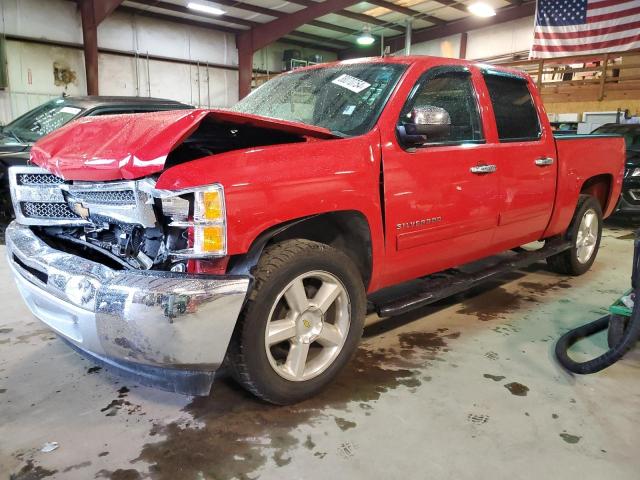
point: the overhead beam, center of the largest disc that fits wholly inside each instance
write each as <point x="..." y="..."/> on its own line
<point x="407" y="11"/>
<point x="92" y="13"/>
<point x="456" y="4"/>
<point x="361" y="17"/>
<point x="318" y="38"/>
<point x="314" y="45"/>
<point x="331" y="26"/>
<point x="172" y="7"/>
<point x="250" y="7"/>
<point x="180" y="20"/>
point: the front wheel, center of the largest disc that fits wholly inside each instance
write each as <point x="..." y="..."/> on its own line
<point x="301" y="324"/>
<point x="584" y="233"/>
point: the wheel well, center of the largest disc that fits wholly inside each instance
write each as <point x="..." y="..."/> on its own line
<point x="598" y="187"/>
<point x="347" y="231"/>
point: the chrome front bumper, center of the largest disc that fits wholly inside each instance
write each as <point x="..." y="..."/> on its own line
<point x="160" y="327"/>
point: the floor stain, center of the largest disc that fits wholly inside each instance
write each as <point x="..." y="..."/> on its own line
<point x="309" y="444"/>
<point x="492" y="355"/>
<point x="495" y="378"/>
<point x="118" y="404"/>
<point x="543" y="288"/>
<point x="43" y="333"/>
<point x="120" y="474"/>
<point x="628" y="236"/>
<point x="77" y="466"/>
<point x="344" y="424"/>
<point x="347" y="450"/>
<point x="478" y="419"/>
<point x="235" y="434"/>
<point x="93" y="370"/>
<point x="517" y="389"/>
<point x="567" y="437"/>
<point x="6" y="330"/>
<point x="31" y="471"/>
<point x="492" y="304"/>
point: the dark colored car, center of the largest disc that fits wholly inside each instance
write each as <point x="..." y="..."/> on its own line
<point x="629" y="203"/>
<point x="17" y="137"/>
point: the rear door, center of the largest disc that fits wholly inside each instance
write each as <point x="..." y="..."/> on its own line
<point x="526" y="160"/>
<point x="441" y="209"/>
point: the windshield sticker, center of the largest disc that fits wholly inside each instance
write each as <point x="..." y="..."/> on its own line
<point x="349" y="110"/>
<point x="351" y="83"/>
<point x="71" y="110"/>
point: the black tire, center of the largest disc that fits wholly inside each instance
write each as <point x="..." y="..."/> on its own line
<point x="278" y="266"/>
<point x="567" y="262"/>
<point x="617" y="327"/>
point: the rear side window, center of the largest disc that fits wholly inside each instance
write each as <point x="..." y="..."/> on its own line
<point x="516" y="116"/>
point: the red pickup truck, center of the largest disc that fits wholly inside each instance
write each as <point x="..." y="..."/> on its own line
<point x="165" y="244"/>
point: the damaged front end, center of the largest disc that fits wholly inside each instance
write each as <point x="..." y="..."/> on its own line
<point x="123" y="224"/>
<point x="133" y="275"/>
<point x="103" y="265"/>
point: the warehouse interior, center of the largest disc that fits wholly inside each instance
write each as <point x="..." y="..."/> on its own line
<point x="457" y="374"/>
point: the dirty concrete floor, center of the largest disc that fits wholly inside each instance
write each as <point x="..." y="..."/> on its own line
<point x="465" y="389"/>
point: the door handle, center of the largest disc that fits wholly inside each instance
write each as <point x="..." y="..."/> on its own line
<point x="482" y="169"/>
<point x="544" y="161"/>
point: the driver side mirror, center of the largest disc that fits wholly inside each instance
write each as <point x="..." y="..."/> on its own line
<point x="425" y="125"/>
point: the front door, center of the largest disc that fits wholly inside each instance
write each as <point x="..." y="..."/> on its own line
<point x="441" y="197"/>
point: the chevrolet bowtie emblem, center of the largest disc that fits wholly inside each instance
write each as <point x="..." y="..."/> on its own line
<point x="78" y="208"/>
<point x="306" y="323"/>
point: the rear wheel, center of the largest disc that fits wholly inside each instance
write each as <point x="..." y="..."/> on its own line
<point x="301" y="324"/>
<point x="584" y="233"/>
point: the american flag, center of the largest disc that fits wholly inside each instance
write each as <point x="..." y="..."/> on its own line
<point x="573" y="27"/>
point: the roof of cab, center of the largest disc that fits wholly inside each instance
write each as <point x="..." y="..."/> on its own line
<point x="422" y="60"/>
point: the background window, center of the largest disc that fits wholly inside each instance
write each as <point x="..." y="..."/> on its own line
<point x="454" y="93"/>
<point x="516" y="115"/>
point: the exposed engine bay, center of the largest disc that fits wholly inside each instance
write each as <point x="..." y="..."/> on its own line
<point x="128" y="246"/>
<point x="129" y="224"/>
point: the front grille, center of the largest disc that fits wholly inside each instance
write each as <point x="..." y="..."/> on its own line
<point x="52" y="211"/>
<point x="38" y="179"/>
<point x="114" y="197"/>
<point x="41" y="198"/>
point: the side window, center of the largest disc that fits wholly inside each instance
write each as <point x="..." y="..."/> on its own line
<point x="516" y="116"/>
<point x="452" y="92"/>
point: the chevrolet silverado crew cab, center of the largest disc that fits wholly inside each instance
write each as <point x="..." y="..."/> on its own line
<point x="166" y="244"/>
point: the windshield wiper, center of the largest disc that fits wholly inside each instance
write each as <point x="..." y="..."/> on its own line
<point x="338" y="133"/>
<point x="11" y="133"/>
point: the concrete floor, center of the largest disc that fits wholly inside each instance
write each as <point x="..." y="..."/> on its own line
<point x="466" y="389"/>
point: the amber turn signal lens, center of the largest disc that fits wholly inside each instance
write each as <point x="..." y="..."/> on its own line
<point x="212" y="202"/>
<point x="209" y="239"/>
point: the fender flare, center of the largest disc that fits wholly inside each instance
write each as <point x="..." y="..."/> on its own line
<point x="247" y="261"/>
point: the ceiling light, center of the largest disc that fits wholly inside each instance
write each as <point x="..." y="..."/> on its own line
<point x="481" y="9"/>
<point x="205" y="8"/>
<point x="365" y="38"/>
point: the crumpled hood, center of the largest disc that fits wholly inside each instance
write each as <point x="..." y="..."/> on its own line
<point x="119" y="147"/>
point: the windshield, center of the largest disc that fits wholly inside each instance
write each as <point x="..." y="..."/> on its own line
<point x="40" y="121"/>
<point x="346" y="99"/>
<point x="631" y="133"/>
